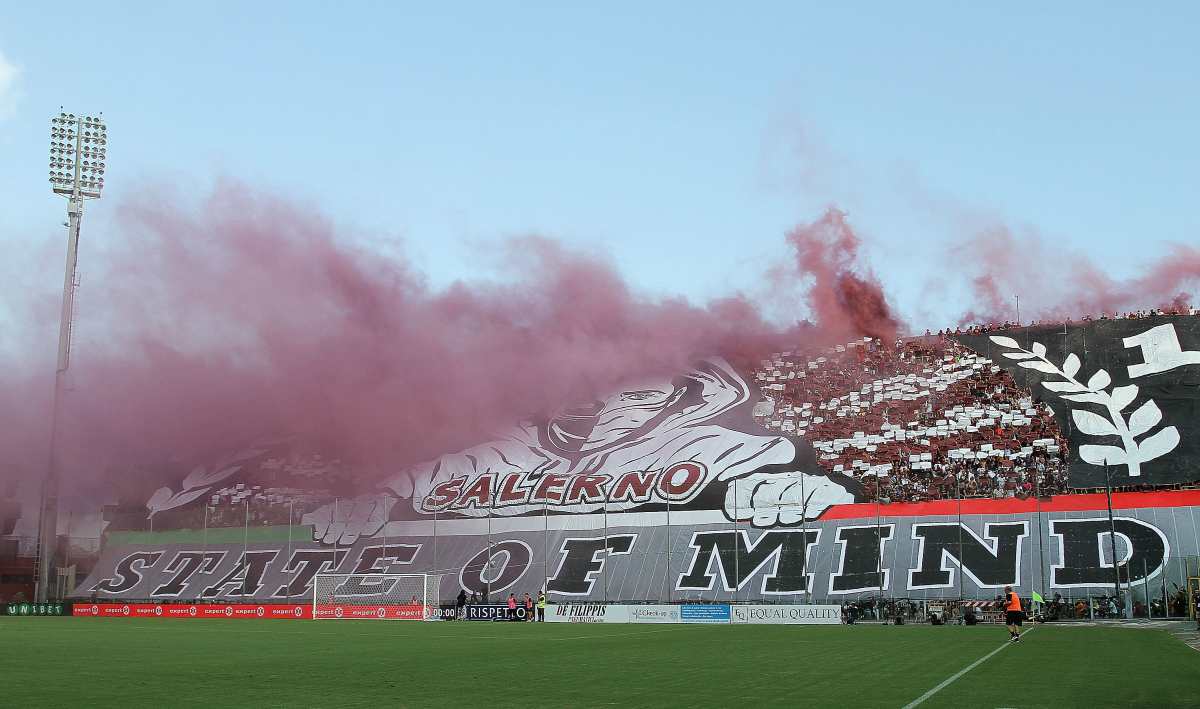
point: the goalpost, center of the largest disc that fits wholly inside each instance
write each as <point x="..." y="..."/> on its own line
<point x="376" y="596"/>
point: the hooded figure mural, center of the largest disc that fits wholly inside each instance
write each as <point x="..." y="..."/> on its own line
<point x="688" y="443"/>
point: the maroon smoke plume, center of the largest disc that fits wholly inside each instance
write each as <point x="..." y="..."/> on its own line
<point x="1057" y="284"/>
<point x="250" y="317"/>
<point x="845" y="297"/>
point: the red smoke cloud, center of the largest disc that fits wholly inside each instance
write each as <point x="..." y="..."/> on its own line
<point x="249" y="317"/>
<point x="845" y="297"/>
<point x="1056" y="284"/>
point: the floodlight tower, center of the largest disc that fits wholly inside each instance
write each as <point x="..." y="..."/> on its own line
<point x="78" y="146"/>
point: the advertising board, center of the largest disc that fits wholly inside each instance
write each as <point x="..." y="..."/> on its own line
<point x="36" y="609"/>
<point x="704" y="613"/>
<point x="586" y="613"/>
<point x="190" y="610"/>
<point x="788" y="614"/>
<point x="359" y="611"/>
<point x="654" y="614"/>
<point x="494" y="611"/>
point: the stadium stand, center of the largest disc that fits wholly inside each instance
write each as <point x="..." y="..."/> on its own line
<point x="938" y="417"/>
<point x="923" y="418"/>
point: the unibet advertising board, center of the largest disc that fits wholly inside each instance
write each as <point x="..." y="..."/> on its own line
<point x="37" y="609"/>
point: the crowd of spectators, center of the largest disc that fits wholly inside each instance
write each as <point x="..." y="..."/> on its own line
<point x="240" y="505"/>
<point x="230" y="506"/>
<point x="917" y="419"/>
<point x="1174" y="309"/>
<point x="1161" y="606"/>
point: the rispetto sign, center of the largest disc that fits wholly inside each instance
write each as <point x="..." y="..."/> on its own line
<point x="495" y="611"/>
<point x="788" y="615"/>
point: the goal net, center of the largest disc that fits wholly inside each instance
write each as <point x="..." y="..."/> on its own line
<point x="376" y="596"/>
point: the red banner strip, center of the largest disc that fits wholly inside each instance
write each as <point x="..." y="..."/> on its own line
<point x="297" y="611"/>
<point x="1013" y="505"/>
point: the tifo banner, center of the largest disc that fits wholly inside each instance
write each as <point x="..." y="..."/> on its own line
<point x="1123" y="394"/>
<point x="1123" y="390"/>
<point x="688" y="442"/>
<point x="587" y="613"/>
<point x="704" y="613"/>
<point x="788" y="615"/>
<point x="929" y="550"/>
<point x="672" y="490"/>
<point x="181" y="610"/>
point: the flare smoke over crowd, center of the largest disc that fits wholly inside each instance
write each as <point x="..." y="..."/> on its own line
<point x="249" y="316"/>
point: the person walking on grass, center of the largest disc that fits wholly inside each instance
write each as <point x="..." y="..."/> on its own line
<point x="1013" y="615"/>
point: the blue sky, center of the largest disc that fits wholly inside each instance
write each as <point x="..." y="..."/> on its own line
<point x="680" y="139"/>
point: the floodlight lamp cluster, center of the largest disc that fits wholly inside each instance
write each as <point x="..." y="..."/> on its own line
<point x="78" y="147"/>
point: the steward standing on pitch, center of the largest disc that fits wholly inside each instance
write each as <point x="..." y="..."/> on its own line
<point x="541" y="605"/>
<point x="1013" y="615"/>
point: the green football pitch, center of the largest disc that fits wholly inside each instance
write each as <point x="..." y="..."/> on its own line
<point x="61" y="662"/>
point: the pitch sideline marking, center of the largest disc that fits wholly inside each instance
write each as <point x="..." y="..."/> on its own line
<point x="947" y="682"/>
<point x="281" y="631"/>
<point x="615" y="635"/>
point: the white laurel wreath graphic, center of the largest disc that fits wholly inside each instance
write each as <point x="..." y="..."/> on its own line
<point x="1147" y="416"/>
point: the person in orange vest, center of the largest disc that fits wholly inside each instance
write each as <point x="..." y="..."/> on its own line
<point x="1013" y="615"/>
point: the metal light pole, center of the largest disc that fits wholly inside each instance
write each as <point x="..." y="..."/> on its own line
<point x="77" y="154"/>
<point x="958" y="494"/>
<point x="604" y="569"/>
<point x="204" y="546"/>
<point x="803" y="542"/>
<point x="1041" y="537"/>
<point x="879" y="552"/>
<point x="246" y="546"/>
<point x="1112" y="527"/>
<point x="291" y="520"/>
